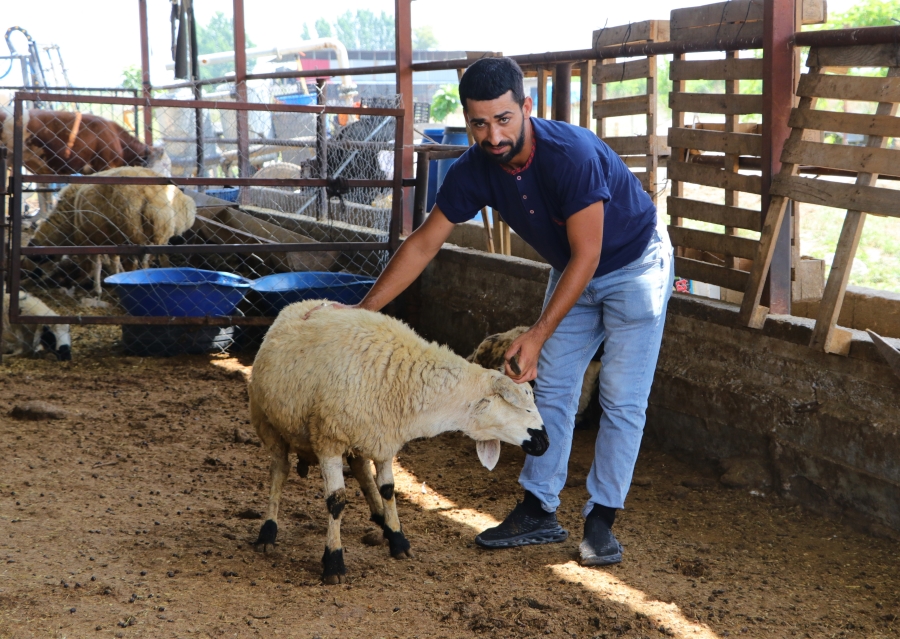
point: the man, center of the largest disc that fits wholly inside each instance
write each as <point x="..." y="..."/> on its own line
<point x="572" y="198"/>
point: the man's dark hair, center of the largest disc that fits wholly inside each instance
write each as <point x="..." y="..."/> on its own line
<point x="489" y="78"/>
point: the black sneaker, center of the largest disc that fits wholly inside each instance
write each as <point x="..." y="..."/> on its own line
<point x="527" y="524"/>
<point x="599" y="547"/>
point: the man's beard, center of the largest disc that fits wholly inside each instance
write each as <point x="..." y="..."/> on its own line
<point x="514" y="149"/>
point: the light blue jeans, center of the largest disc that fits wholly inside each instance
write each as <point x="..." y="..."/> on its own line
<point x="625" y="310"/>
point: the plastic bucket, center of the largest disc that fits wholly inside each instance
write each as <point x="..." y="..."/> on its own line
<point x="436" y="136"/>
<point x="297" y="98"/>
<point x="452" y="135"/>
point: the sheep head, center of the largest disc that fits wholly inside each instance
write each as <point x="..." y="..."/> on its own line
<point x="506" y="413"/>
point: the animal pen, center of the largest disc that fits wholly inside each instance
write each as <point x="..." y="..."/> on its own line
<point x="320" y="217"/>
<point x="776" y="403"/>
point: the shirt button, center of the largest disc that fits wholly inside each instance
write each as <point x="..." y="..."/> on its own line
<point x="518" y="177"/>
<point x="532" y="211"/>
<point x="524" y="197"/>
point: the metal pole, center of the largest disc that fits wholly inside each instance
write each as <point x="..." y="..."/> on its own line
<point x="322" y="150"/>
<point x="16" y="210"/>
<point x="145" y="72"/>
<point x="562" y="90"/>
<point x="404" y="58"/>
<point x="778" y="99"/>
<point x="240" y="85"/>
<point x="197" y="91"/>
<point x="421" y="193"/>
<point x="3" y="193"/>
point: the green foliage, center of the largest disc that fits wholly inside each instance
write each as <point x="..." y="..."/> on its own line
<point x="424" y="38"/>
<point x="305" y="35"/>
<point x="215" y="37"/>
<point x="364" y="30"/>
<point x="867" y="13"/>
<point x="323" y="28"/>
<point x="444" y="102"/>
<point x="132" y="77"/>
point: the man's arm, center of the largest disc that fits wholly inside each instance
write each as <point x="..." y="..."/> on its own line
<point x="585" y="233"/>
<point x="410" y="260"/>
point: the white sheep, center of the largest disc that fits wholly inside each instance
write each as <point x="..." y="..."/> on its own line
<point x="489" y="353"/>
<point x="32" y="339"/>
<point x="116" y="214"/>
<point x="361" y="384"/>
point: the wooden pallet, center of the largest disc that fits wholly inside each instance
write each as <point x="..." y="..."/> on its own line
<point x="729" y="141"/>
<point x="865" y="196"/>
<point x="641" y="151"/>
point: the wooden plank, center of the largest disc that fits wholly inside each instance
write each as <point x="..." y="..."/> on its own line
<point x="740" y="127"/>
<point x="734" y="11"/>
<point x="859" y="123"/>
<point x="631" y="145"/>
<point x="868" y="55"/>
<point x="849" y="87"/>
<point x="647" y="30"/>
<point x="635" y="161"/>
<point x="714" y="213"/>
<point x="622" y="71"/>
<point x="585" y="104"/>
<point x="732" y="143"/>
<point x="722" y="34"/>
<point x="644" y="178"/>
<point x="731" y="279"/>
<point x="853" y="197"/>
<point x="713" y="242"/>
<point x="736" y="69"/>
<point x="862" y="159"/>
<point x="813" y="12"/>
<point x="634" y="105"/>
<point x="715" y="177"/>
<point x="715" y="103"/>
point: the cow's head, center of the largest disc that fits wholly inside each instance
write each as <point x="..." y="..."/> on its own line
<point x="158" y="160"/>
<point x="506" y="413"/>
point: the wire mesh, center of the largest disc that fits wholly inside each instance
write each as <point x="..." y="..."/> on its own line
<point x="178" y="245"/>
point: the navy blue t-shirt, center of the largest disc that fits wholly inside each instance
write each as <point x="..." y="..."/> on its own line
<point x="571" y="168"/>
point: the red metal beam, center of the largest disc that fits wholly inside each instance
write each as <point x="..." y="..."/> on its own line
<point x="404" y="57"/>
<point x="778" y="99"/>
<point x="145" y="70"/>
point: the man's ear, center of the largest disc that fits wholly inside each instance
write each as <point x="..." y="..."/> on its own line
<point x="527" y="106"/>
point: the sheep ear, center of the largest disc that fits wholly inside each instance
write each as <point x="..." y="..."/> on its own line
<point x="488" y="452"/>
<point x="508" y="390"/>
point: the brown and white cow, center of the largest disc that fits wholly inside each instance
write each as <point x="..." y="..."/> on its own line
<point x="67" y="142"/>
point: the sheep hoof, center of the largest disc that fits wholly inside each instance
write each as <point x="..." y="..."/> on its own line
<point x="374" y="538"/>
<point x="267" y="535"/>
<point x="333" y="569"/>
<point x="332" y="580"/>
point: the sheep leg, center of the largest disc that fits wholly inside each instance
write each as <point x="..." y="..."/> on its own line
<point x="278" y="472"/>
<point x="333" y="569"/>
<point x="98" y="270"/>
<point x="392" y="531"/>
<point x="362" y="471"/>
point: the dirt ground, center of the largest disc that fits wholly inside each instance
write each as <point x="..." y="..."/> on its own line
<point x="133" y="517"/>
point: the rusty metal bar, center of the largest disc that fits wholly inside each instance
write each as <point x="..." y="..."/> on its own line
<point x="207" y="320"/>
<point x="145" y="71"/>
<point x="778" y="98"/>
<point x="195" y="181"/>
<point x="847" y="37"/>
<point x="205" y="104"/>
<point x="15" y="211"/>
<point x="404" y="57"/>
<point x="397" y="200"/>
<point x="203" y="249"/>
<point x="3" y="225"/>
<point x="321" y="151"/>
<point x="316" y="73"/>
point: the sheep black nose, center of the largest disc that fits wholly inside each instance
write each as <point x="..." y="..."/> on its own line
<point x="539" y="442"/>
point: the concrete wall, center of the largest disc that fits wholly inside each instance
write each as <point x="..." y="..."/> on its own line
<point x="825" y="429"/>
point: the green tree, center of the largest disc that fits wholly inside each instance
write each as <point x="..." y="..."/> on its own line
<point x="365" y="30"/>
<point x="444" y="102"/>
<point x="323" y="29"/>
<point x="304" y="35"/>
<point x="424" y="39"/>
<point x="217" y="36"/>
<point x="867" y="13"/>
<point x="132" y="77"/>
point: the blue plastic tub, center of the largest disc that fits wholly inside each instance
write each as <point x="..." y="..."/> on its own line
<point x="229" y="193"/>
<point x="178" y="292"/>
<point x="436" y="136"/>
<point x="452" y="135"/>
<point x="279" y="290"/>
<point x="297" y="98"/>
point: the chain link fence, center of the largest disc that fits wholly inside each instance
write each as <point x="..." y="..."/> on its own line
<point x="194" y="243"/>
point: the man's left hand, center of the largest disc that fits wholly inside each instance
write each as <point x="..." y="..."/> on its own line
<point x="527" y="349"/>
